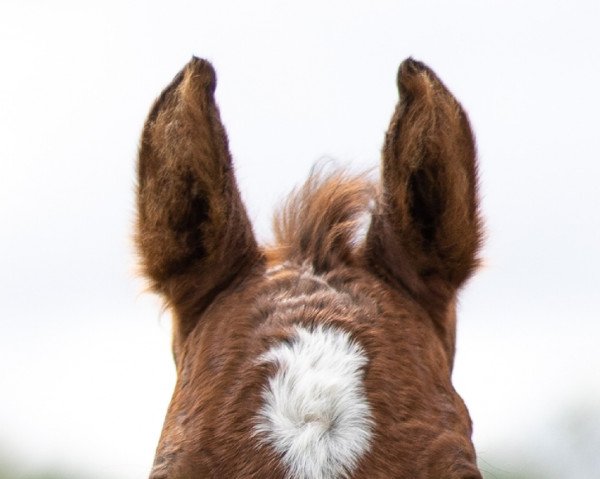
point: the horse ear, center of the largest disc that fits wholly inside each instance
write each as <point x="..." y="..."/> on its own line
<point x="426" y="231"/>
<point x="193" y="233"/>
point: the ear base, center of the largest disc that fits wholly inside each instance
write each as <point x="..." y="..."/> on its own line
<point x="426" y="231"/>
<point x="193" y="234"/>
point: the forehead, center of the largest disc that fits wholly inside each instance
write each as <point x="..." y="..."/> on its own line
<point x="293" y="294"/>
<point x="266" y="309"/>
<point x="328" y="360"/>
<point x="287" y="270"/>
<point x="379" y="319"/>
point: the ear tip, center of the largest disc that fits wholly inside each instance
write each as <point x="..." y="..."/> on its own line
<point x="408" y="70"/>
<point x="203" y="72"/>
<point x="410" y="65"/>
<point x="412" y="75"/>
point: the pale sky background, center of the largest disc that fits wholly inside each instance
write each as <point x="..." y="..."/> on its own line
<point x="86" y="370"/>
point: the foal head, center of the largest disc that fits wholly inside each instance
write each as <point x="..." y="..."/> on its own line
<point x="328" y="354"/>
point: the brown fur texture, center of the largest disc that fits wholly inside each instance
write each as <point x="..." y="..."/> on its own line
<point x="393" y="291"/>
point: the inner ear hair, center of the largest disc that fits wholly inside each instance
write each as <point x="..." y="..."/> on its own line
<point x="426" y="231"/>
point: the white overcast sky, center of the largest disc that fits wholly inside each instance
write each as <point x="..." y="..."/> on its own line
<point x="86" y="371"/>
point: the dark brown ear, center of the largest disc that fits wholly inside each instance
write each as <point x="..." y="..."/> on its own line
<point x="426" y="231"/>
<point x="193" y="234"/>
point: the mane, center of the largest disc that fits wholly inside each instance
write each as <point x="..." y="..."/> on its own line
<point x="321" y="222"/>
